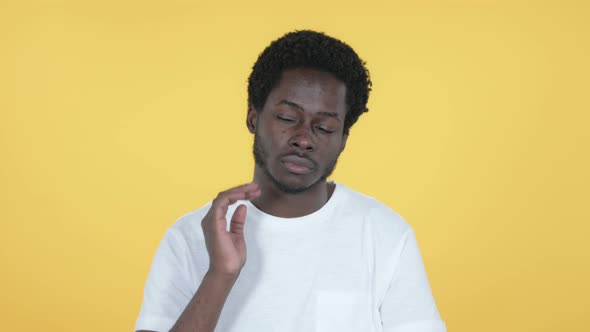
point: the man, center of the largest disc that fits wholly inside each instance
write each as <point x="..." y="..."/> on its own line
<point x="320" y="256"/>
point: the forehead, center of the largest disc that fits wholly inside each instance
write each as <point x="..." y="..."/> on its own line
<point x="314" y="90"/>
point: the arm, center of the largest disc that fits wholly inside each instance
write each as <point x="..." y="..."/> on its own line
<point x="202" y="312"/>
<point x="227" y="256"/>
<point x="409" y="304"/>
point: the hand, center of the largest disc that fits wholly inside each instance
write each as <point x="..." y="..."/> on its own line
<point x="227" y="250"/>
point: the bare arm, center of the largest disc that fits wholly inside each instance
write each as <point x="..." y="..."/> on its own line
<point x="202" y="312"/>
<point x="227" y="256"/>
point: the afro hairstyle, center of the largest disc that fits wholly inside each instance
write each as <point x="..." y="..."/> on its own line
<point x="312" y="50"/>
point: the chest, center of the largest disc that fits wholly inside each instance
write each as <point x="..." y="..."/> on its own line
<point x="310" y="281"/>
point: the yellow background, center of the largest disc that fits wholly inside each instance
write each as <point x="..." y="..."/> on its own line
<point x="117" y="117"/>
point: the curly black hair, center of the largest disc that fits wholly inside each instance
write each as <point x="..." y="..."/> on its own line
<point x="314" y="50"/>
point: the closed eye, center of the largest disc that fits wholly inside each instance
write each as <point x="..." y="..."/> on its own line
<point x="283" y="118"/>
<point x="325" y="130"/>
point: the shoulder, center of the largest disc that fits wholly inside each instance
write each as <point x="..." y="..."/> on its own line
<point x="188" y="226"/>
<point x="378" y="215"/>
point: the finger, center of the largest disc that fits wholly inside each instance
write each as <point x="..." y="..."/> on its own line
<point x="249" y="187"/>
<point x="253" y="194"/>
<point x="238" y="220"/>
<point x="230" y="198"/>
<point x="245" y="187"/>
<point x="222" y="202"/>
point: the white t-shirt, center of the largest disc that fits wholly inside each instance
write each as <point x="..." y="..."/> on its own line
<point x="353" y="265"/>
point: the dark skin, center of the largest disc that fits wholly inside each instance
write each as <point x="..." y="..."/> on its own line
<point x="299" y="136"/>
<point x="303" y="116"/>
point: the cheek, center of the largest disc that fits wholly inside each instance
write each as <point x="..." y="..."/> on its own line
<point x="334" y="149"/>
<point x="277" y="138"/>
<point x="271" y="140"/>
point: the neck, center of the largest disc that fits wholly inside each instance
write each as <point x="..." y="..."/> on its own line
<point x="286" y="205"/>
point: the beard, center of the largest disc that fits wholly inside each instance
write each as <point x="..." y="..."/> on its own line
<point x="260" y="156"/>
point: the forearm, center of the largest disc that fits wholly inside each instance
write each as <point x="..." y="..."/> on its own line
<point x="202" y="312"/>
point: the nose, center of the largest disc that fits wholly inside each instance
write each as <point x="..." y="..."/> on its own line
<point x="302" y="141"/>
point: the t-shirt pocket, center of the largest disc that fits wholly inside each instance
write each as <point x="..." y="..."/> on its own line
<point x="342" y="311"/>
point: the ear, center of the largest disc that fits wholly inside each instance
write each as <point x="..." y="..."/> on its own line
<point x="343" y="144"/>
<point x="251" y="119"/>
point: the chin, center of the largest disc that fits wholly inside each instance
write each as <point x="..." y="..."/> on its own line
<point x="295" y="186"/>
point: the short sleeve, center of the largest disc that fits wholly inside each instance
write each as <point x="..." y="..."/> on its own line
<point x="167" y="289"/>
<point x="408" y="305"/>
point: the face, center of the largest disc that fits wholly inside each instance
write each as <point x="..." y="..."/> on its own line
<point x="299" y="131"/>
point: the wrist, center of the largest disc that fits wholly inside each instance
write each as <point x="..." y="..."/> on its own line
<point x="224" y="276"/>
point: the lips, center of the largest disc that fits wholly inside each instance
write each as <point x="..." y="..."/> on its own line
<point x="297" y="165"/>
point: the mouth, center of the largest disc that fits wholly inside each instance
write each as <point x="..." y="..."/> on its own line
<point x="298" y="165"/>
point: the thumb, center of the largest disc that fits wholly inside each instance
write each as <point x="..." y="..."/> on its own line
<point x="238" y="220"/>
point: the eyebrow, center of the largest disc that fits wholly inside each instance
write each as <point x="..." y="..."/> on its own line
<point x="299" y="107"/>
